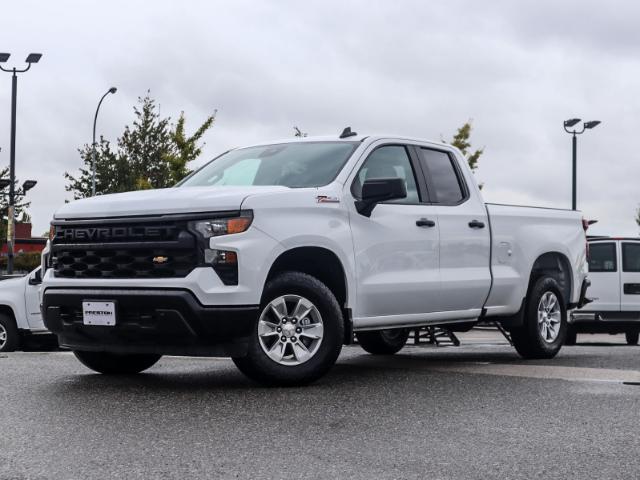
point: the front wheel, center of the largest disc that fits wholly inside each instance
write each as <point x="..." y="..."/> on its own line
<point x="383" y="342"/>
<point x="9" y="339"/>
<point x="116" y="364"/>
<point x="632" y="337"/>
<point x="299" y="334"/>
<point x="545" y="321"/>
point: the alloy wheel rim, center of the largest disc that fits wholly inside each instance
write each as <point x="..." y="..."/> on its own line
<point x="290" y="330"/>
<point x="3" y="336"/>
<point x="549" y="317"/>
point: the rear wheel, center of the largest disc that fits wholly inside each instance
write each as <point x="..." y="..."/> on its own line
<point x="9" y="339"/>
<point x="115" y="363"/>
<point x="298" y="335"/>
<point x="632" y="337"/>
<point x="383" y="342"/>
<point x="545" y="321"/>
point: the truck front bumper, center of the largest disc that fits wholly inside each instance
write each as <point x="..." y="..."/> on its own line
<point x="160" y="321"/>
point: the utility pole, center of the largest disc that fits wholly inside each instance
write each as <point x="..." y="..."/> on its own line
<point x="31" y="59"/>
<point x="93" y="144"/>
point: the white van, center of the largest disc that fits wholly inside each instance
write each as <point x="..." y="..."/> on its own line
<point x="614" y="271"/>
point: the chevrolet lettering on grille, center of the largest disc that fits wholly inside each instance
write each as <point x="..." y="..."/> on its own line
<point x="113" y="233"/>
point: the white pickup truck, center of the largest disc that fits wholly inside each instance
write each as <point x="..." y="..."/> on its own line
<point x="20" y="318"/>
<point x="276" y="254"/>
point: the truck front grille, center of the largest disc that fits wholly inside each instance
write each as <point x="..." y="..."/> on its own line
<point x="140" y="248"/>
<point x="123" y="263"/>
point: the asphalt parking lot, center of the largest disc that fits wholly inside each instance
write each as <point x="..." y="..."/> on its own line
<point x="475" y="411"/>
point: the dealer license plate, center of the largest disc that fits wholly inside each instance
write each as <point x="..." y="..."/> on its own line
<point x="99" y="313"/>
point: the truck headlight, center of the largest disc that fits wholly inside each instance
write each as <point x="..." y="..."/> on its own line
<point x="223" y="226"/>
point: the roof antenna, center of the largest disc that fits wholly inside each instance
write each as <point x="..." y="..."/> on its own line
<point x="348" y="133"/>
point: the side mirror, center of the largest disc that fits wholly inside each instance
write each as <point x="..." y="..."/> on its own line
<point x="36" y="278"/>
<point x="380" y="190"/>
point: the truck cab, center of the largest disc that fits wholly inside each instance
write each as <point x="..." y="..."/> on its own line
<point x="614" y="271"/>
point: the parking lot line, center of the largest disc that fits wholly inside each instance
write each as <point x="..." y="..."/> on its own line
<point x="547" y="372"/>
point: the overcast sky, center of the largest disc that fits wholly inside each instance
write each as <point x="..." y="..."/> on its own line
<point x="415" y="68"/>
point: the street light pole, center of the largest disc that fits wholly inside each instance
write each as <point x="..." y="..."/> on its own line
<point x="574" y="151"/>
<point x="574" y="148"/>
<point x="93" y="144"/>
<point x="31" y="58"/>
<point x="12" y="177"/>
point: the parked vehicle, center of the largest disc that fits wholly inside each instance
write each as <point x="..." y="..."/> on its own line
<point x="614" y="271"/>
<point x="20" y="317"/>
<point x="276" y="254"/>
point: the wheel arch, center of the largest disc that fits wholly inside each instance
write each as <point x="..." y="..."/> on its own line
<point x="319" y="262"/>
<point x="556" y="265"/>
<point x="323" y="264"/>
<point x="8" y="311"/>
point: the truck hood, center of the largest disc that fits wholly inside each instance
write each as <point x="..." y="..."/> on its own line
<point x="163" y="201"/>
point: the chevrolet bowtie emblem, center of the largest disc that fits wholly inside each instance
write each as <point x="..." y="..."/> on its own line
<point x="160" y="260"/>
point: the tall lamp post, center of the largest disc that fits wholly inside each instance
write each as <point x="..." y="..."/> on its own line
<point x="112" y="90"/>
<point x="31" y="59"/>
<point x="571" y="123"/>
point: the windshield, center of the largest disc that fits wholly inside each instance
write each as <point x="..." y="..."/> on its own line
<point x="294" y="165"/>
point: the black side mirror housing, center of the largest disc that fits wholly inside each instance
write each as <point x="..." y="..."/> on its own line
<point x="379" y="190"/>
<point x="36" y="279"/>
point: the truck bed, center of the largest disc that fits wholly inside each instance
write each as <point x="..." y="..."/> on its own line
<point x="519" y="236"/>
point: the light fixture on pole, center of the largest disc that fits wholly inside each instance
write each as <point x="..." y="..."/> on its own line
<point x="574" y="147"/>
<point x="28" y="185"/>
<point x="112" y="90"/>
<point x="30" y="60"/>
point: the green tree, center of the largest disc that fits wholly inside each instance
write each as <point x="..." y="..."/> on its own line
<point x="185" y="148"/>
<point x="151" y="153"/>
<point x="462" y="141"/>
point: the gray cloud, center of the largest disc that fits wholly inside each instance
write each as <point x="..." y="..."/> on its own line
<point x="407" y="67"/>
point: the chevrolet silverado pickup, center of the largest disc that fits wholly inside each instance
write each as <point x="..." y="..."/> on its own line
<point x="278" y="254"/>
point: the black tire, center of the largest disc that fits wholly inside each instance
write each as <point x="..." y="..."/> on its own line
<point x="383" y="342"/>
<point x="528" y="339"/>
<point x="572" y="337"/>
<point x="9" y="336"/>
<point x="258" y="366"/>
<point x="115" y="363"/>
<point x="632" y="337"/>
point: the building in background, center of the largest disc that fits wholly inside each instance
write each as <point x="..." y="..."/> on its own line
<point x="25" y="243"/>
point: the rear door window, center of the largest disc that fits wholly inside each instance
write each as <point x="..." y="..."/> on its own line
<point x="602" y="257"/>
<point x="444" y="179"/>
<point x="631" y="257"/>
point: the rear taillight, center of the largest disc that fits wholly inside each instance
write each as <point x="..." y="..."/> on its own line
<point x="585" y="227"/>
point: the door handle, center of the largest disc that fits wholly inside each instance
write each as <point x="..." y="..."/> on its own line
<point x="476" y="224"/>
<point x="424" y="222"/>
